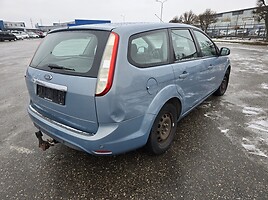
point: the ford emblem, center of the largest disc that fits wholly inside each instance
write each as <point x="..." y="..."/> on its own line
<point x="48" y="77"/>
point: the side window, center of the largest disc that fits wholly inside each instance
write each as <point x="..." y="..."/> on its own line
<point x="148" y="49"/>
<point x="183" y="45"/>
<point x="206" y="45"/>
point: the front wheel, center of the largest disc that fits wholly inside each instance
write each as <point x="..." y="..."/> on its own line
<point x="163" y="130"/>
<point x="224" y="84"/>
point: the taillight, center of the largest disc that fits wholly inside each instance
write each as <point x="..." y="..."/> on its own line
<point x="106" y="70"/>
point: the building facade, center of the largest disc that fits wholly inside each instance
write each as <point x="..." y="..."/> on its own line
<point x="20" y="26"/>
<point x="237" y="18"/>
<point x="236" y="23"/>
<point x="1" y="25"/>
<point x="76" y="22"/>
<point x="7" y="25"/>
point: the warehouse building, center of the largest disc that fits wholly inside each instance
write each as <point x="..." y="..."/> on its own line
<point x="20" y="26"/>
<point x="244" y="17"/>
<point x="6" y="25"/>
<point x="76" y="22"/>
<point x="242" y="22"/>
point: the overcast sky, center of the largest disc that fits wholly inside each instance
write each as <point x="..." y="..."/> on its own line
<point x="47" y="11"/>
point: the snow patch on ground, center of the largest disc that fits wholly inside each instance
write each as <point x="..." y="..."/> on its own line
<point x="223" y="130"/>
<point x="253" y="68"/>
<point x="258" y="121"/>
<point x="259" y="125"/>
<point x="21" y="150"/>
<point x="213" y="115"/>
<point x="206" y="104"/>
<point x="252" y="148"/>
<point x="251" y="63"/>
<point x="249" y="111"/>
<point x="264" y="86"/>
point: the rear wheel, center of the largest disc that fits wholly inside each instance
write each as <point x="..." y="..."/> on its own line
<point x="224" y="84"/>
<point x="163" y="130"/>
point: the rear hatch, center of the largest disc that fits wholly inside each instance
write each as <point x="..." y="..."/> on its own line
<point x="62" y="77"/>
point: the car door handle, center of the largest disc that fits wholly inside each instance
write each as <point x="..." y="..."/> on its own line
<point x="183" y="75"/>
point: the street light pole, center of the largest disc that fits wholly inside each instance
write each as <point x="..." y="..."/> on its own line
<point x="124" y="18"/>
<point x="162" y="2"/>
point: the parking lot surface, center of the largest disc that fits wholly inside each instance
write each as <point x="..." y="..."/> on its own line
<point x="220" y="149"/>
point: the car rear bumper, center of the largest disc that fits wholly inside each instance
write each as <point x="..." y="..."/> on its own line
<point x="113" y="138"/>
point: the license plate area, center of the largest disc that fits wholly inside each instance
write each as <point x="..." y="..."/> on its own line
<point x="51" y="94"/>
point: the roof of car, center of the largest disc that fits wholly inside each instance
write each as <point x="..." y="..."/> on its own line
<point x="121" y="27"/>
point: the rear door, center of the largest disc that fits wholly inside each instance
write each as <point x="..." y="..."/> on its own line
<point x="62" y="77"/>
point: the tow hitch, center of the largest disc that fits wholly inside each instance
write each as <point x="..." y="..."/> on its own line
<point x="44" y="145"/>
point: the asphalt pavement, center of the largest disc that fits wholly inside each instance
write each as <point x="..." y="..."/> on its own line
<point x="220" y="149"/>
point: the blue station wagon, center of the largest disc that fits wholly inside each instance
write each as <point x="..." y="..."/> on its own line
<point x="111" y="88"/>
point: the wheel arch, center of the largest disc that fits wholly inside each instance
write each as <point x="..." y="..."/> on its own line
<point x="228" y="69"/>
<point x="177" y="103"/>
<point x="166" y="95"/>
<point x="152" y="145"/>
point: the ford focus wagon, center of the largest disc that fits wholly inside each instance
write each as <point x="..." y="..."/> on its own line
<point x="111" y="88"/>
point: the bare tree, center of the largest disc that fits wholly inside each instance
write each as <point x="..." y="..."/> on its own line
<point x="186" y="18"/>
<point x="175" y="20"/>
<point x="262" y="13"/>
<point x="207" y="18"/>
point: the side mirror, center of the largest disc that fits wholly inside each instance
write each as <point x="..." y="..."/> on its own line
<point x="224" y="51"/>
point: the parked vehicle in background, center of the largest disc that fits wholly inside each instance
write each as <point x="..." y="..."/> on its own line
<point x="223" y="32"/>
<point x="4" y="35"/>
<point x="41" y="34"/>
<point x="241" y="32"/>
<point x="257" y="32"/>
<point x="213" y="33"/>
<point x="111" y="88"/>
<point x="18" y="35"/>
<point x="24" y="35"/>
<point x="262" y="32"/>
<point x="231" y="32"/>
<point x="32" y="35"/>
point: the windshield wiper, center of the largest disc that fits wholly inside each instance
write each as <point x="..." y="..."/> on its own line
<point x="54" y="66"/>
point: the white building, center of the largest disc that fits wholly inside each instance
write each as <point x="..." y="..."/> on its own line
<point x="14" y="25"/>
<point x="238" y="19"/>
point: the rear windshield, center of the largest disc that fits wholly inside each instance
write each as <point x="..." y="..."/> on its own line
<point x="71" y="52"/>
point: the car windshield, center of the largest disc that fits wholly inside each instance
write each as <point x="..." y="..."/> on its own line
<point x="68" y="49"/>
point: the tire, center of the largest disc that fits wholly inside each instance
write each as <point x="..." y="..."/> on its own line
<point x="224" y="84"/>
<point x="163" y="130"/>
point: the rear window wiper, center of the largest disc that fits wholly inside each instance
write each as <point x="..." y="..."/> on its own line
<point x="54" y="66"/>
